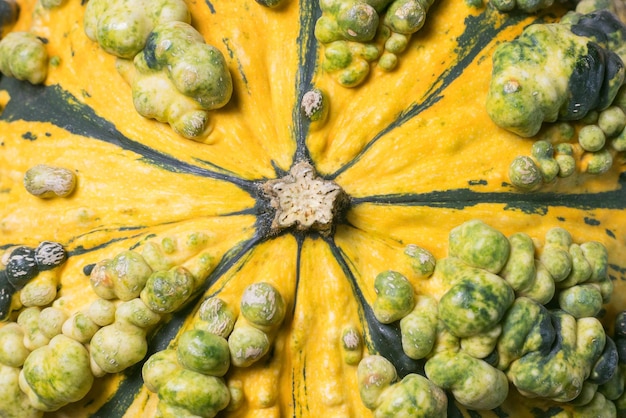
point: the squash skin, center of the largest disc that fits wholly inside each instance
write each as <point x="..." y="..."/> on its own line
<point x="23" y="57"/>
<point x="401" y="227"/>
<point x="529" y="86"/>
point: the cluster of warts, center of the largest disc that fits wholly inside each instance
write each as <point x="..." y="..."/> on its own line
<point x="474" y="355"/>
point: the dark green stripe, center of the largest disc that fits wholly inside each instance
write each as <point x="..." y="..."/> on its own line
<point x="307" y="59"/>
<point x="527" y="202"/>
<point x="300" y="241"/>
<point x="141" y="228"/>
<point x="479" y="31"/>
<point x="304" y="406"/>
<point x="210" y="6"/>
<point x="231" y="53"/>
<point x="59" y="107"/>
<point x="383" y="338"/>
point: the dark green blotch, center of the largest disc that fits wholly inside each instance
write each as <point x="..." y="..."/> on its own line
<point x="607" y="30"/>
<point x="525" y="322"/>
<point x="88" y="269"/>
<point x="606" y="366"/>
<point x="149" y="53"/>
<point x="620" y="344"/>
<point x="600" y="26"/>
<point x="21" y="267"/>
<point x="492" y="359"/>
<point x="620" y="325"/>
<point x="591" y="221"/>
<point x="29" y="136"/>
<point x="6" y="296"/>
<point x="585" y="83"/>
<point x="475" y="305"/>
<point x="9" y="11"/>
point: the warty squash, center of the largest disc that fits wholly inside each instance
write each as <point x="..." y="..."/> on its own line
<point x="302" y="208"/>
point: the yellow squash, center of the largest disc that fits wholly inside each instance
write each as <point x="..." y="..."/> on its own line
<point x="412" y="150"/>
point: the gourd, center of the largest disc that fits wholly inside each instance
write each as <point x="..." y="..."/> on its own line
<point x="314" y="246"/>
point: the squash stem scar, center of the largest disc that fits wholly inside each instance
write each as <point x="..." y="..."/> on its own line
<point x="303" y="201"/>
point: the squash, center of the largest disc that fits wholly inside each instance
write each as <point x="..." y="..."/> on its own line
<point x="301" y="238"/>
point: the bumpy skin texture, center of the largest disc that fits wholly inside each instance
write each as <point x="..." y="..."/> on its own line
<point x="527" y="327"/>
<point x="559" y="374"/>
<point x="473" y="382"/>
<point x="525" y="174"/>
<point x="189" y="392"/>
<point x="395" y="297"/>
<point x="413" y="396"/>
<point x="15" y="403"/>
<point x="422" y="260"/>
<point x="21" y="266"/>
<point x="551" y="73"/>
<point x="166" y="291"/>
<point x="29" y="320"/>
<point x="41" y="290"/>
<point x="121" y="27"/>
<point x="528" y="6"/>
<point x="356" y="33"/>
<point x="118" y="346"/>
<point x="183" y="392"/>
<point x="476" y="300"/>
<point x="188" y="379"/>
<point x="606" y="367"/>
<point x="479" y="245"/>
<point x="122" y="277"/>
<point x="56" y="374"/>
<point x="599" y="407"/>
<point x="178" y="78"/>
<point x="80" y="327"/>
<point x="215" y="316"/>
<point x="262" y="305"/>
<point x="326" y="280"/>
<point x="419" y="328"/>
<point x="13" y="352"/>
<point x="352" y="345"/>
<point x="23" y="56"/>
<point x="489" y="329"/>
<point x="315" y="106"/>
<point x="247" y="344"/>
<point x="555" y="254"/>
<point x="374" y="373"/>
<point x="519" y="270"/>
<point x="203" y="352"/>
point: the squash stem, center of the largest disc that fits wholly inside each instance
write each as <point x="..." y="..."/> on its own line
<point x="303" y="201"/>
